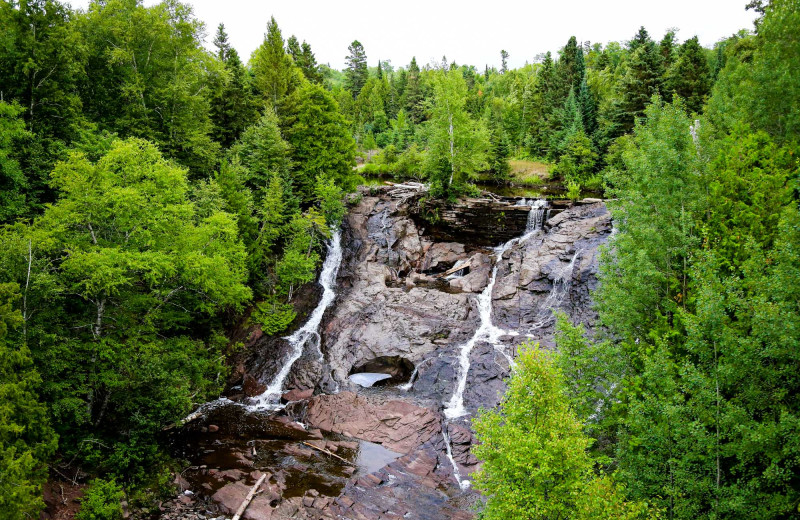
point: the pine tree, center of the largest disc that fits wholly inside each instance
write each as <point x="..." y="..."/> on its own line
<point x="504" y="62"/>
<point x="356" y="74"/>
<point x="643" y="79"/>
<point x="498" y="150"/>
<point x="690" y="76"/>
<point x="571" y="67"/>
<point x="233" y="108"/>
<point x="320" y="140"/>
<point x="26" y="438"/>
<point x="413" y="93"/>
<point x="273" y="71"/>
<point x="304" y="58"/>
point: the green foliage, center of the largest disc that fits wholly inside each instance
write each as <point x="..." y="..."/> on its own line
<point x="273" y="316"/>
<point x="263" y="151"/>
<point x="122" y="254"/>
<point x="534" y="453"/>
<point x="26" y="438"/>
<point x="320" y="140"/>
<point x="275" y="75"/>
<point x="233" y="107"/>
<point x="330" y="198"/>
<point x="457" y="144"/>
<point x="145" y="67"/>
<point x="101" y="501"/>
<point x="690" y="77"/>
<point x="13" y="183"/>
<point x="356" y="73"/>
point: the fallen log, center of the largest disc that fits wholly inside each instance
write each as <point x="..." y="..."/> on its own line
<point x="328" y="453"/>
<point x="249" y="498"/>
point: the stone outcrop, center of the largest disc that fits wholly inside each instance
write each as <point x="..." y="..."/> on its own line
<point x="407" y="300"/>
<point x="396" y="424"/>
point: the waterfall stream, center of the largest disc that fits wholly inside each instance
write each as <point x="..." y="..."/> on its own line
<point x="486" y="331"/>
<point x="298" y="340"/>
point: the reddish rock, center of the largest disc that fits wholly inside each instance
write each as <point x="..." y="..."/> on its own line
<point x="252" y="387"/>
<point x="213" y="428"/>
<point x="398" y="425"/>
<point x="297" y="395"/>
<point x="231" y="496"/>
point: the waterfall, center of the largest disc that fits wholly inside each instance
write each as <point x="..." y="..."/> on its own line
<point x="405" y="387"/>
<point x="486" y="330"/>
<point x="561" y="284"/>
<point x="462" y="483"/>
<point x="298" y="340"/>
<point x="536" y="217"/>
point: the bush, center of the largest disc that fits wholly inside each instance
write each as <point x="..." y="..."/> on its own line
<point x="573" y="190"/>
<point x="102" y="501"/>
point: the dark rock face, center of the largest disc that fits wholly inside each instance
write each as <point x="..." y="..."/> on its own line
<point x="407" y="300"/>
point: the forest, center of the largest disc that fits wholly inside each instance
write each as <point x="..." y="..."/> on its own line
<point x="156" y="193"/>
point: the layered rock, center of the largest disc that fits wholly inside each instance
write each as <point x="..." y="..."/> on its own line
<point x="407" y="299"/>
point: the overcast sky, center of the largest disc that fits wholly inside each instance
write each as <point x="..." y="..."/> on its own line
<point x="469" y="32"/>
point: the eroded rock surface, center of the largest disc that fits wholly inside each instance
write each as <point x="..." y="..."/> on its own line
<point x="407" y="300"/>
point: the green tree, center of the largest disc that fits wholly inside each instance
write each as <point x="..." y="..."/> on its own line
<point x="263" y="151"/>
<point x="232" y="106"/>
<point x="13" y="184"/>
<point x="147" y="75"/>
<point x="274" y="74"/>
<point x="320" y="140"/>
<point x="123" y="255"/>
<point x="356" y="74"/>
<point x="534" y="453"/>
<point x="690" y="76"/>
<point x="457" y="144"/>
<point x="26" y="438"/>
<point x="304" y="58"/>
<point x="643" y="78"/>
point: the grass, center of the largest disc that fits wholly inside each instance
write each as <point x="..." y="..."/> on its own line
<point x="528" y="173"/>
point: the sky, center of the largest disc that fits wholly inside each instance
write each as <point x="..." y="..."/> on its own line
<point x="466" y="31"/>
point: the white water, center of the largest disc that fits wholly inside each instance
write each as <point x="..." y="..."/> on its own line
<point x="367" y="379"/>
<point x="561" y="284"/>
<point x="464" y="484"/>
<point x="487" y="331"/>
<point x="327" y="279"/>
<point x="536" y="217"/>
<point x="405" y="387"/>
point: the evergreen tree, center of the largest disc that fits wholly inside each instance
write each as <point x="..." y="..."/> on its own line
<point x="26" y="438"/>
<point x="571" y="67"/>
<point x="413" y="93"/>
<point x="274" y="74"/>
<point x="263" y="152"/>
<point x="504" y="62"/>
<point x="642" y="79"/>
<point x="304" y="58"/>
<point x="320" y="140"/>
<point x="690" y="76"/>
<point x="232" y="108"/>
<point x="356" y="74"/>
<point x="498" y="151"/>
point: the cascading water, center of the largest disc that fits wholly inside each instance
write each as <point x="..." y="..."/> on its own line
<point x="561" y="284"/>
<point x="536" y="217"/>
<point x="298" y="340"/>
<point x="486" y="331"/>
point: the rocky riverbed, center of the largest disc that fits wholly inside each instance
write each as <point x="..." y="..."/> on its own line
<point x="408" y="295"/>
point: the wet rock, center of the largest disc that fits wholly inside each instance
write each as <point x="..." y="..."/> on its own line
<point x="297" y="395"/>
<point x="398" y="425"/>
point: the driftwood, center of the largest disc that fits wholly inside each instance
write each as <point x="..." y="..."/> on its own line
<point x="328" y="453"/>
<point x="249" y="498"/>
<point x="456" y="268"/>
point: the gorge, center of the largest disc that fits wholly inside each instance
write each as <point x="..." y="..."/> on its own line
<point x="432" y="321"/>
